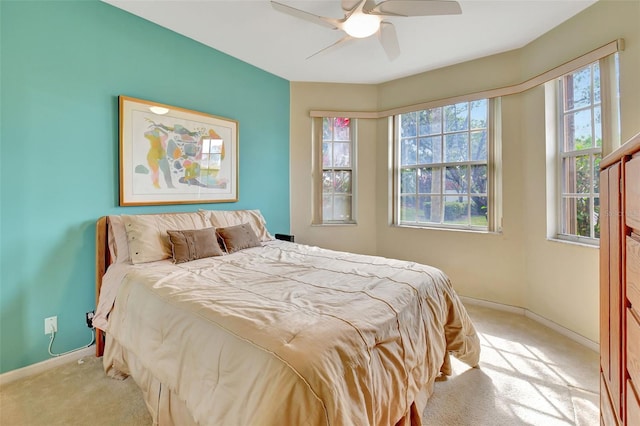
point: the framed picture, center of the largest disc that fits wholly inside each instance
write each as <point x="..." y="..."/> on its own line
<point x="171" y="155"/>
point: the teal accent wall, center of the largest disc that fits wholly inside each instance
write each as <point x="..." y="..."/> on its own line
<point x="63" y="65"/>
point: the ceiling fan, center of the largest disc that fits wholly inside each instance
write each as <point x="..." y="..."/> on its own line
<point x="364" y="18"/>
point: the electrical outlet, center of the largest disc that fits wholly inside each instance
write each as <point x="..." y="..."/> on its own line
<point x="50" y="325"/>
<point x="89" y="318"/>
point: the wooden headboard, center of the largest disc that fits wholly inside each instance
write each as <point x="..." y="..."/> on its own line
<point x="103" y="260"/>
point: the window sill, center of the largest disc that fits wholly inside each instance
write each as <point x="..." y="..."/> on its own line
<point x="595" y="245"/>
<point x="335" y="224"/>
<point x="438" y="228"/>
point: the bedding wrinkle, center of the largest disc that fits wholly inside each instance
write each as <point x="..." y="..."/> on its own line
<point x="345" y="339"/>
<point x="302" y="302"/>
<point x="357" y="271"/>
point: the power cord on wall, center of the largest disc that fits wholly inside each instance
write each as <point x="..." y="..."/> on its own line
<point x="53" y="335"/>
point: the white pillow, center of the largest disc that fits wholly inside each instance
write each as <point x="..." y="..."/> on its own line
<point x="118" y="244"/>
<point x="147" y="233"/>
<point x="225" y="218"/>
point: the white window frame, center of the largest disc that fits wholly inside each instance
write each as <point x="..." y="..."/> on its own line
<point x="609" y="124"/>
<point x="319" y="169"/>
<point x="494" y="173"/>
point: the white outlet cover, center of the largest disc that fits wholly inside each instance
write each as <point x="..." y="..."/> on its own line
<point x="50" y="324"/>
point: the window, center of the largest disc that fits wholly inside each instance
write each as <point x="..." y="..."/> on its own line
<point x="337" y="165"/>
<point x="580" y="141"/>
<point x="443" y="170"/>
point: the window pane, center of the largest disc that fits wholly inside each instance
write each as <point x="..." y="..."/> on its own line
<point x="422" y="202"/>
<point x="597" y="122"/>
<point x="456" y="117"/>
<point x="341" y="129"/>
<point x="408" y="150"/>
<point x="408" y="181"/>
<point x="479" y="114"/>
<point x="327" y="207"/>
<point x="327" y="181"/>
<point x="431" y="208"/>
<point x="457" y="180"/>
<point x="327" y="155"/>
<point x="341" y="154"/>
<point x="479" y="146"/>
<point x="596" y="173"/>
<point x="429" y="180"/>
<point x="430" y="121"/>
<point x="430" y="150"/>
<point x="408" y="208"/>
<point x="578" y="130"/>
<point x="479" y="179"/>
<point x="596" y="82"/>
<point x="577" y="220"/>
<point x="342" y="207"/>
<point x="578" y="89"/>
<point x="342" y="182"/>
<point x="327" y="129"/>
<point x="479" y="211"/>
<point x="577" y="175"/>
<point x="456" y="147"/>
<point x="408" y="124"/>
<point x="456" y="210"/>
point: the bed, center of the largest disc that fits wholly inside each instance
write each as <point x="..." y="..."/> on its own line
<point x="269" y="332"/>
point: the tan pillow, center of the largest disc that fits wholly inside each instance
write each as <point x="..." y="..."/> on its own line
<point x="224" y="218"/>
<point x="238" y="237"/>
<point x="147" y="233"/>
<point x="118" y="245"/>
<point x="194" y="244"/>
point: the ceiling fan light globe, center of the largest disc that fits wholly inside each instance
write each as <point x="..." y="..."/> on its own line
<point x="361" y="25"/>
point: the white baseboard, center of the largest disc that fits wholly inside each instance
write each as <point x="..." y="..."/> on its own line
<point x="537" y="318"/>
<point x="493" y="305"/>
<point x="45" y="365"/>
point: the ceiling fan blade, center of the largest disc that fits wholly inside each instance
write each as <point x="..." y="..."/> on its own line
<point x="340" y="42"/>
<point x="389" y="40"/>
<point x="349" y="5"/>
<point x="416" y="8"/>
<point x="320" y="20"/>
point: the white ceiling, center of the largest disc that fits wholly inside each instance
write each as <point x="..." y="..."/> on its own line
<point x="252" y="31"/>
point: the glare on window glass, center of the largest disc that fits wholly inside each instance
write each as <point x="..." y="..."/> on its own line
<point x="211" y="153"/>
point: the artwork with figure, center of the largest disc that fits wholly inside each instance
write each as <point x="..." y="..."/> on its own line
<point x="188" y="157"/>
<point x="176" y="156"/>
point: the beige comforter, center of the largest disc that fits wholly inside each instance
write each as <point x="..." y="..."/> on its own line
<point x="288" y="334"/>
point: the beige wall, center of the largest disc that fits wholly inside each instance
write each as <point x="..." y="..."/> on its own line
<point x="519" y="266"/>
<point x="569" y="296"/>
<point x="360" y="238"/>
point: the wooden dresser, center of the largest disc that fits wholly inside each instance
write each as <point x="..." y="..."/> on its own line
<point x="620" y="286"/>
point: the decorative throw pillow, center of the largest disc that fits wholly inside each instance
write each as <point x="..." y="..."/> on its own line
<point x="238" y="237"/>
<point x="193" y="244"/>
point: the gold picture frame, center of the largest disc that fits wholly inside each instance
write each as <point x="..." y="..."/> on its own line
<point x="172" y="155"/>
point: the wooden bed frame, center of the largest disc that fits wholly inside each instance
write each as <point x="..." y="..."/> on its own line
<point x="103" y="260"/>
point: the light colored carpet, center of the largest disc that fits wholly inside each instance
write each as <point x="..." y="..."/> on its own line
<point x="73" y="394"/>
<point x="528" y="375"/>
